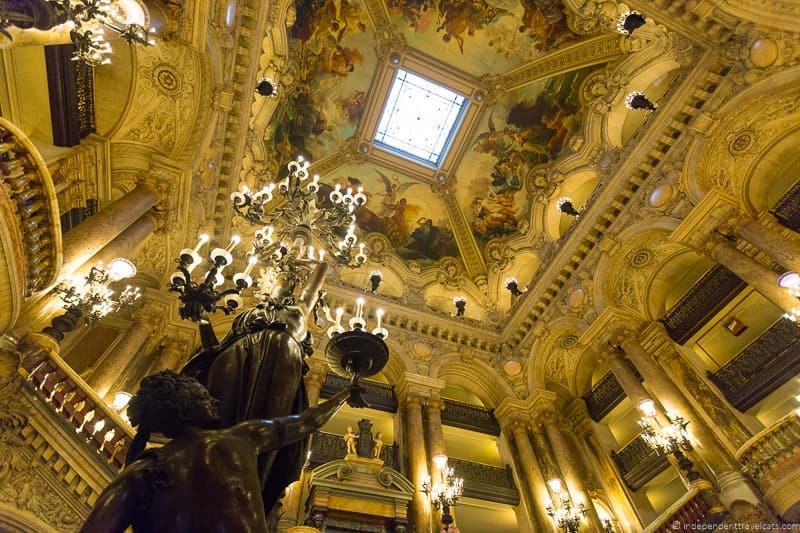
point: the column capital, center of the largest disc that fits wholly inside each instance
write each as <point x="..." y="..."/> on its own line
<point x="416" y="388"/>
<point x="714" y="210"/>
<point x="611" y="326"/>
<point x="512" y="414"/>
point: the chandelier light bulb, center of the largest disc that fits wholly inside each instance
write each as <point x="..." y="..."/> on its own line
<point x="647" y="407"/>
<point x="555" y="485"/>
<point x="201" y="240"/>
<point x="120" y="401"/>
<point x="120" y="268"/>
<point x="793" y="315"/>
<point x="440" y="461"/>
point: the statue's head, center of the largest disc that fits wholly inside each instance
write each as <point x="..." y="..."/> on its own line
<point x="169" y="403"/>
<point x="379" y="435"/>
<point x="349" y="429"/>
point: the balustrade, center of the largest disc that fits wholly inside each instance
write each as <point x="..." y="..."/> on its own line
<point x="713" y="291"/>
<point x="606" y="395"/>
<point x="25" y="180"/>
<point x="378" y="395"/>
<point x="768" y="450"/>
<point x="486" y="482"/>
<point x="327" y="447"/>
<point x="96" y="423"/>
<point x="691" y="509"/>
<point x="787" y="210"/>
<point x="764" y="365"/>
<point x="468" y="416"/>
<point x="638" y="463"/>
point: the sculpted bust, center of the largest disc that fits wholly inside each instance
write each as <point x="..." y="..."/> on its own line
<point x="204" y="479"/>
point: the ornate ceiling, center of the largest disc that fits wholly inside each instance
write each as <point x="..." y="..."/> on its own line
<point x="488" y="211"/>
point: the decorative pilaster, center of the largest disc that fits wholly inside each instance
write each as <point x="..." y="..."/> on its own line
<point x="111" y="367"/>
<point x="315" y="378"/>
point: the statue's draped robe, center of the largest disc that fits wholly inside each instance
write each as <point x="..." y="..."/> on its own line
<point x="257" y="372"/>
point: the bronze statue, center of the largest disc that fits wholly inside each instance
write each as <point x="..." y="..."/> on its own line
<point x="257" y="372"/>
<point x="204" y="479"/>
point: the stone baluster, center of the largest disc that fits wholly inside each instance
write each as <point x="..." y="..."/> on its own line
<point x="567" y="462"/>
<point x="758" y="276"/>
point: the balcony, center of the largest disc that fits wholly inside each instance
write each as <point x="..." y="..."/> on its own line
<point x="787" y="210"/>
<point x="639" y="463"/>
<point x="327" y="447"/>
<point x="486" y="482"/>
<point x="772" y="460"/>
<point x="606" y="395"/>
<point x="104" y="434"/>
<point x="468" y="416"/>
<point x="764" y="365"/>
<point x="713" y="291"/>
<point x="378" y="395"/>
<point x="31" y="243"/>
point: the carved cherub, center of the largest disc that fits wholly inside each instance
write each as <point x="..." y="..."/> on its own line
<point x="377" y="445"/>
<point x="351" y="439"/>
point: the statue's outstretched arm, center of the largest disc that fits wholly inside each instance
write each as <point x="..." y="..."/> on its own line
<point x="115" y="508"/>
<point x="278" y="432"/>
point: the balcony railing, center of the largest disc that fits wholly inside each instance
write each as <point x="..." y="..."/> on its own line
<point x="639" y="463"/>
<point x="25" y="179"/>
<point x="606" y="395"/>
<point x="486" y="482"/>
<point x="468" y="416"/>
<point x="711" y="293"/>
<point x="787" y="210"/>
<point x="691" y="509"/>
<point x="766" y="452"/>
<point x="764" y="365"/>
<point x="95" y="423"/>
<point x="327" y="447"/>
<point x="378" y="395"/>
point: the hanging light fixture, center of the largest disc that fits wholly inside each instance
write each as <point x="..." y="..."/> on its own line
<point x="375" y="278"/>
<point x="206" y="296"/>
<point x="630" y="21"/>
<point x="565" y="515"/>
<point x="445" y="494"/>
<point x="91" y="297"/>
<point x="790" y="281"/>
<point x="460" y="304"/>
<point x="638" y="100"/>
<point x="671" y="438"/>
<point x="513" y="287"/>
<point x="268" y="87"/>
<point x="294" y="217"/>
<point x="565" y="205"/>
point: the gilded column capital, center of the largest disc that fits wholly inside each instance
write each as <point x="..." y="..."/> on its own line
<point x="416" y="388"/>
<point x="434" y="403"/>
<point x="611" y="327"/>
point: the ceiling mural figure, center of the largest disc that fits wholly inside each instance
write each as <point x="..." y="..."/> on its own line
<point x="334" y="47"/>
<point x="527" y="128"/>
<point x="482" y="36"/>
<point x="406" y="212"/>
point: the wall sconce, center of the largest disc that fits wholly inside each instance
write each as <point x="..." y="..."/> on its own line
<point x="637" y="100"/>
<point x="461" y="305"/>
<point x="375" y="278"/>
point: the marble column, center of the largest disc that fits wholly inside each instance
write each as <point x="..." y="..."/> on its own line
<point x="600" y="459"/>
<point x="433" y="434"/>
<point x="170" y="356"/>
<point x="782" y="249"/>
<point x="417" y="461"/>
<point x="761" y="278"/>
<point x="732" y="483"/>
<point x="625" y="376"/>
<point x="567" y="462"/>
<point x="315" y="378"/>
<point x="86" y="240"/>
<point x="112" y="366"/>
<point x="533" y="474"/>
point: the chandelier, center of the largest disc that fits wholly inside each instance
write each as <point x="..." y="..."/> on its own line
<point x="91" y="297"/>
<point x="204" y="294"/>
<point x="565" y="516"/>
<point x="446" y="493"/>
<point x="671" y="438"/>
<point x="294" y="215"/>
<point x="90" y="19"/>
<point x="790" y="281"/>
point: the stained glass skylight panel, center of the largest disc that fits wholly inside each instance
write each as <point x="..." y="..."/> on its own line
<point x="419" y="118"/>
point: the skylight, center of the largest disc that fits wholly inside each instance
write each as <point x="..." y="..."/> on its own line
<point x="419" y="119"/>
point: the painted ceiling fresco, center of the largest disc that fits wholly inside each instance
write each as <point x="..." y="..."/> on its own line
<point x="481" y="37"/>
<point x="335" y="46"/>
<point x="407" y="212"/>
<point x="527" y="128"/>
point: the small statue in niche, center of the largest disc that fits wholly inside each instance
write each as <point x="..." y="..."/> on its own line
<point x="183" y="488"/>
<point x="351" y="439"/>
<point x="377" y="445"/>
